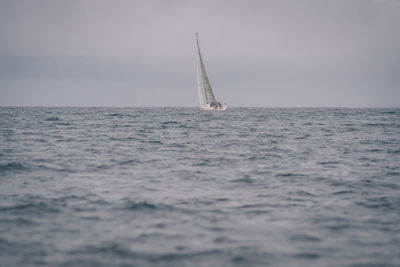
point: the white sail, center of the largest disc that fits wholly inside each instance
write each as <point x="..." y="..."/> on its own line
<point x="211" y="103"/>
<point x="207" y="86"/>
<point x="199" y="88"/>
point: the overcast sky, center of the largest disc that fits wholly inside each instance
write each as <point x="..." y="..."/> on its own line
<point x="300" y="53"/>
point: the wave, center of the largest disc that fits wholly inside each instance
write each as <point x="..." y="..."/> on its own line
<point x="122" y="251"/>
<point x="12" y="166"/>
<point x="129" y="162"/>
<point x="343" y="192"/>
<point x="17" y="221"/>
<point x="154" y="142"/>
<point x="144" y="205"/>
<point x="179" y="256"/>
<point x="288" y="174"/>
<point x="111" y="248"/>
<point x="384" y="203"/>
<point x="307" y="255"/>
<point x="33" y="207"/>
<point x="380" y="125"/>
<point x="388" y="112"/>
<point x="129" y="138"/>
<point x="302" y="137"/>
<point x="304" y="237"/>
<point x="303" y="193"/>
<point x="246" y="180"/>
<point x="169" y="122"/>
<point x="52" y="119"/>
<point x="117" y="115"/>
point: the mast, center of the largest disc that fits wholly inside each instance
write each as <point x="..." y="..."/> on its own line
<point x="207" y="86"/>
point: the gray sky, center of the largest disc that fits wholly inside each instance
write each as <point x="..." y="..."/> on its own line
<point x="257" y="53"/>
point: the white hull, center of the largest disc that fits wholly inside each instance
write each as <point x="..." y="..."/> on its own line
<point x="207" y="107"/>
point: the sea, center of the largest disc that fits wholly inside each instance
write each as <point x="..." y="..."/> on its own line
<point x="186" y="187"/>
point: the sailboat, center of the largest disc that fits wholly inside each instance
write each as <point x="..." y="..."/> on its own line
<point x="210" y="102"/>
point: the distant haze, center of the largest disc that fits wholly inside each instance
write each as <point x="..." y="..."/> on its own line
<point x="338" y="53"/>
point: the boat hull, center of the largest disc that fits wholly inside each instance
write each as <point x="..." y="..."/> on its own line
<point x="207" y="107"/>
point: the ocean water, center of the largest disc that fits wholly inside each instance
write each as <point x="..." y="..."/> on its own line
<point x="184" y="187"/>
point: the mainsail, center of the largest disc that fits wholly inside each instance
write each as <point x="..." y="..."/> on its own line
<point x="207" y="86"/>
<point x="199" y="88"/>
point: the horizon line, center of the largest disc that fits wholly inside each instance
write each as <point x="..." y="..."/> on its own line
<point x="92" y="106"/>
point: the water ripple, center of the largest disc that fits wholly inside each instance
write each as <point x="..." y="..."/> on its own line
<point x="182" y="187"/>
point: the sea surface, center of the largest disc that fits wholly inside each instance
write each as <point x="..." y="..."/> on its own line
<point x="185" y="187"/>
